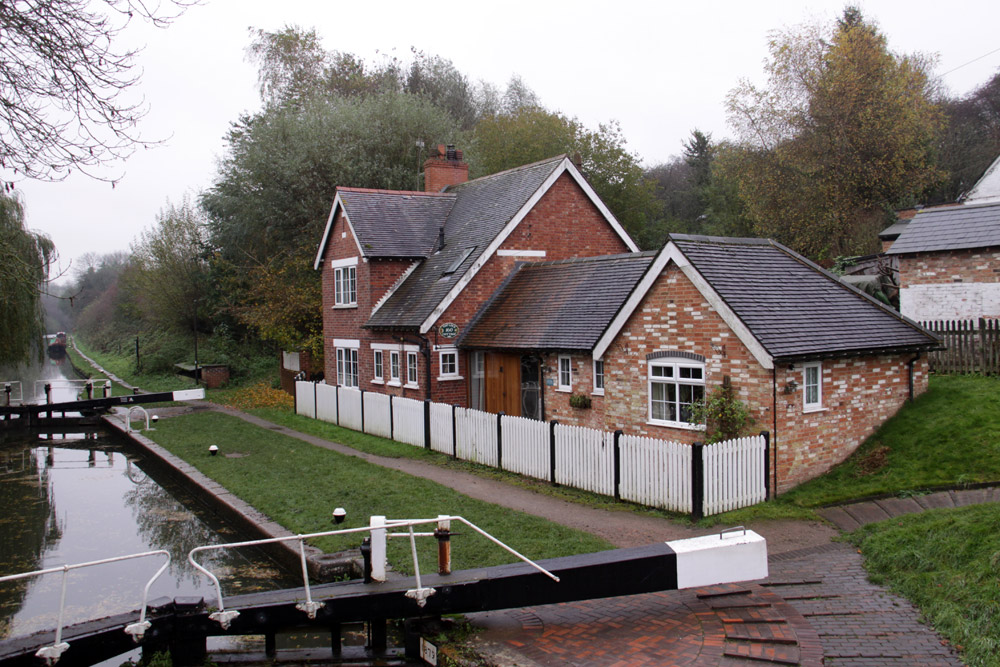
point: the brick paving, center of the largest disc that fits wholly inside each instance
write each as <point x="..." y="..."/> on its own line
<point x="816" y="607"/>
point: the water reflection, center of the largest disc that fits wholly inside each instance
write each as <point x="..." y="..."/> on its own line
<point x="72" y="501"/>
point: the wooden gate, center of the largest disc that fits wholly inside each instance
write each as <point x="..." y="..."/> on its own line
<point x="503" y="383"/>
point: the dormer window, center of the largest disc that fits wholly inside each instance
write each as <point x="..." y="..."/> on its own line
<point x="458" y="262"/>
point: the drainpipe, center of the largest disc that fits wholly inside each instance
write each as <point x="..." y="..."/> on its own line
<point x="909" y="366"/>
<point x="774" y="425"/>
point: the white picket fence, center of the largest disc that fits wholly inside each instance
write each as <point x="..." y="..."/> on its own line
<point x="657" y="473"/>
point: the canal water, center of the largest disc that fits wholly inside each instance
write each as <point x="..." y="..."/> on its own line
<point x="73" y="498"/>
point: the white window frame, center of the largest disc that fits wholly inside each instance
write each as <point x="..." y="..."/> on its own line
<point x="443" y="373"/>
<point x="347" y="367"/>
<point x="395" y="369"/>
<point x="598" y="377"/>
<point x="564" y="376"/>
<point x="412" y="370"/>
<point x="817" y="403"/>
<point x="345" y="282"/>
<point x="378" y="375"/>
<point x="675" y="366"/>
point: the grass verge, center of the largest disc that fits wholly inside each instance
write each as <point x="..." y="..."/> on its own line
<point x="946" y="563"/>
<point x="298" y="485"/>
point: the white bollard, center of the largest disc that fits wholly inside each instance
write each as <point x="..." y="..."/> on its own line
<point x="378" y="533"/>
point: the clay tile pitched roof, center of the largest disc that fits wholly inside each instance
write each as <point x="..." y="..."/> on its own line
<point x="563" y="305"/>
<point x="793" y="307"/>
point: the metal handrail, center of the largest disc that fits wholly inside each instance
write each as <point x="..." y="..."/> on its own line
<point x="225" y="618"/>
<point x="52" y="653"/>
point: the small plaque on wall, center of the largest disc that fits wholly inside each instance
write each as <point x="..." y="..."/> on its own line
<point x="449" y="330"/>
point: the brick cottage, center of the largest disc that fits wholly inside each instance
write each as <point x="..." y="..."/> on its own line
<point x="520" y="292"/>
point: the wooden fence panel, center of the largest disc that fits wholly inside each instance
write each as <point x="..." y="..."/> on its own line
<point x="326" y="403"/>
<point x="971" y="346"/>
<point x="585" y="459"/>
<point x="349" y="402"/>
<point x="525" y="446"/>
<point x="442" y="429"/>
<point x="305" y="399"/>
<point x="477" y="436"/>
<point x="734" y="474"/>
<point x="656" y="473"/>
<point x="408" y="421"/>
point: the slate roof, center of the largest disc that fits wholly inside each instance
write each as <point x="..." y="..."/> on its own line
<point x="558" y="305"/>
<point x="795" y="309"/>
<point x="481" y="209"/>
<point x="950" y="228"/>
<point x="390" y="223"/>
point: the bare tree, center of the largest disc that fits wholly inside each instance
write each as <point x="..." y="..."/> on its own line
<point x="64" y="80"/>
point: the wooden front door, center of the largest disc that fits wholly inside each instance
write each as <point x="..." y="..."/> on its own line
<point x="503" y="383"/>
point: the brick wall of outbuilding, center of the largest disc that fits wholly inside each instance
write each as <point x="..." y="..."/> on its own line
<point x="948" y="285"/>
<point x="858" y="393"/>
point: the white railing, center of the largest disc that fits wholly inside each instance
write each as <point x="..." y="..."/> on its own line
<point x="656" y="473"/>
<point x="650" y="471"/>
<point x="52" y="653"/>
<point x="734" y="474"/>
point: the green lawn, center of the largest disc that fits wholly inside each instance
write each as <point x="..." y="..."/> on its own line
<point x="298" y="485"/>
<point x="946" y="562"/>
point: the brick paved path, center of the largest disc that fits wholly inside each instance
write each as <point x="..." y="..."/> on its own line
<point x="817" y="607"/>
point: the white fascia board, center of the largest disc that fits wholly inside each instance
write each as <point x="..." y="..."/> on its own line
<point x="565" y="166"/>
<point x="395" y="286"/>
<point x="329" y="227"/>
<point x="502" y="252"/>
<point x="347" y="261"/>
<point x="671" y="253"/>
<point x="395" y="347"/>
<point x="346" y="342"/>
<point x="605" y="211"/>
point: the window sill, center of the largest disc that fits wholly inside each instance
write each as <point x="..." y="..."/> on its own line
<point x="411" y="386"/>
<point x="449" y="378"/>
<point x="378" y="381"/>
<point x="565" y="390"/>
<point x="807" y="411"/>
<point x="393" y="383"/>
<point x="597" y="392"/>
<point x="347" y="306"/>
<point x="680" y="425"/>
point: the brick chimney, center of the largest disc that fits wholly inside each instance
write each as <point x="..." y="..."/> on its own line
<point x="444" y="169"/>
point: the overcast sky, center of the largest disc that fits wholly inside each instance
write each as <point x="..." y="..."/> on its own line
<point x="659" y="68"/>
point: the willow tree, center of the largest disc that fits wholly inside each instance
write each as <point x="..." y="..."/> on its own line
<point x="25" y="257"/>
<point x="843" y="132"/>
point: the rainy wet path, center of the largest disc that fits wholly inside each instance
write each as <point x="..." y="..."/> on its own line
<point x="74" y="500"/>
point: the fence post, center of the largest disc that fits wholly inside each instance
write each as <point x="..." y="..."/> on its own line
<point x="767" y="464"/>
<point x="454" y="433"/>
<point x="390" y="418"/>
<point x="315" y="400"/>
<point x="618" y="465"/>
<point x="336" y="401"/>
<point x="697" y="481"/>
<point x="500" y="440"/>
<point x="427" y="423"/>
<point x="362" y="410"/>
<point x="982" y="345"/>
<point x="552" y="451"/>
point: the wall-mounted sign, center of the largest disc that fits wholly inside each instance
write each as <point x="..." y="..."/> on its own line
<point x="449" y="330"/>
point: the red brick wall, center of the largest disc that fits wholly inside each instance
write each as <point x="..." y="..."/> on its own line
<point x="858" y="394"/>
<point x="564" y="223"/>
<point x="978" y="265"/>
